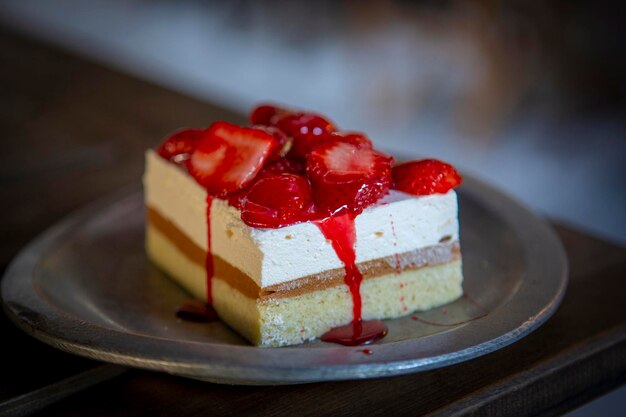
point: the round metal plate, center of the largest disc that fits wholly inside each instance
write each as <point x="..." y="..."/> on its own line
<point x="85" y="286"/>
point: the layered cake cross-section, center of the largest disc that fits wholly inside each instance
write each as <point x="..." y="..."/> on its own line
<point x="293" y="231"/>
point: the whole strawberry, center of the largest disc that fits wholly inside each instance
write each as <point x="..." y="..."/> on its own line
<point x="428" y="176"/>
<point x="277" y="201"/>
<point x="306" y="129"/>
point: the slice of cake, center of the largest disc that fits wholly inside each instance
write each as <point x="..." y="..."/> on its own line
<point x="291" y="230"/>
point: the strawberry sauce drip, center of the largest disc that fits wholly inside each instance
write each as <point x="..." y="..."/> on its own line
<point x="196" y="310"/>
<point x="341" y="233"/>
<point x="356" y="333"/>
<point x="208" y="261"/>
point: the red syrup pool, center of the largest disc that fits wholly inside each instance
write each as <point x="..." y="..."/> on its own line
<point x="356" y="333"/>
<point x="342" y="235"/>
<point x="196" y="310"/>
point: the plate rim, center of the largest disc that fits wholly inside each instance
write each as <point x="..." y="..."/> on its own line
<point x="24" y="306"/>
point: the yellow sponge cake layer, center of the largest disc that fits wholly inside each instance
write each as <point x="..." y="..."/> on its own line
<point x="305" y="311"/>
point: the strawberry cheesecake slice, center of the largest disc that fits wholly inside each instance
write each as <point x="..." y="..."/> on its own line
<point x="290" y="230"/>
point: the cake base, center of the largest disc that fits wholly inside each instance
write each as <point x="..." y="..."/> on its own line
<point x="293" y="320"/>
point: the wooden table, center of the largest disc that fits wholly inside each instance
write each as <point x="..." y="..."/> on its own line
<point x="73" y="131"/>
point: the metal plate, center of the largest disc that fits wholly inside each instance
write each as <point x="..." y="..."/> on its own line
<point x="85" y="286"/>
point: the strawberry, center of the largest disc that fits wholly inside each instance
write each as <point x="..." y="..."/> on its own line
<point x="266" y="114"/>
<point x="228" y="157"/>
<point x="428" y="176"/>
<point x="345" y="177"/>
<point x="179" y="146"/>
<point x="306" y="129"/>
<point x="305" y="144"/>
<point x="282" y="140"/>
<point x="357" y="139"/>
<point x="278" y="201"/>
<point x="280" y="166"/>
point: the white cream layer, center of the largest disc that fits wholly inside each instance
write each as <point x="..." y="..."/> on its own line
<point x="398" y="223"/>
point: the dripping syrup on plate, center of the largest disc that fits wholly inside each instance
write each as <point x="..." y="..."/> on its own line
<point x="341" y="232"/>
<point x="193" y="309"/>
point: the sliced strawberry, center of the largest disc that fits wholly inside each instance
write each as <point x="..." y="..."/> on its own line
<point x="266" y="114"/>
<point x="283" y="142"/>
<point x="278" y="201"/>
<point x="228" y="157"/>
<point x="280" y="166"/>
<point x="306" y="129"/>
<point x="345" y="177"/>
<point x="428" y="176"/>
<point x="284" y="166"/>
<point x="179" y="146"/>
<point x="357" y="139"/>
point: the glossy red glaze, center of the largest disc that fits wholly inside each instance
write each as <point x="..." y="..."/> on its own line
<point x="179" y="146"/>
<point x="283" y="166"/>
<point x="354" y="138"/>
<point x="283" y="142"/>
<point x="346" y="177"/>
<point x="306" y="129"/>
<point x="196" y="310"/>
<point x="428" y="176"/>
<point x="228" y="157"/>
<point x="357" y="333"/>
<point x="266" y="114"/>
<point x="342" y="235"/>
<point x="278" y="200"/>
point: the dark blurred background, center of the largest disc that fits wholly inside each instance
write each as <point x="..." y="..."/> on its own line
<point x="528" y="95"/>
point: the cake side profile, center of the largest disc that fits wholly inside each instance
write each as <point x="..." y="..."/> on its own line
<point x="281" y="264"/>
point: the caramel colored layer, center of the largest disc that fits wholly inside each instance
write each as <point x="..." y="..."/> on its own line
<point x="432" y="255"/>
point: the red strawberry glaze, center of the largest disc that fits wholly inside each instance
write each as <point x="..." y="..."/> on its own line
<point x="283" y="142"/>
<point x="267" y="114"/>
<point x="346" y="177"/>
<point x="228" y="157"/>
<point x="277" y="167"/>
<point x="278" y="200"/>
<point x="307" y="130"/>
<point x="342" y="234"/>
<point x="357" y="139"/>
<point x="179" y="146"/>
<point x="357" y="333"/>
<point x="283" y="166"/>
<point x="196" y="310"/>
<point x="428" y="176"/>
